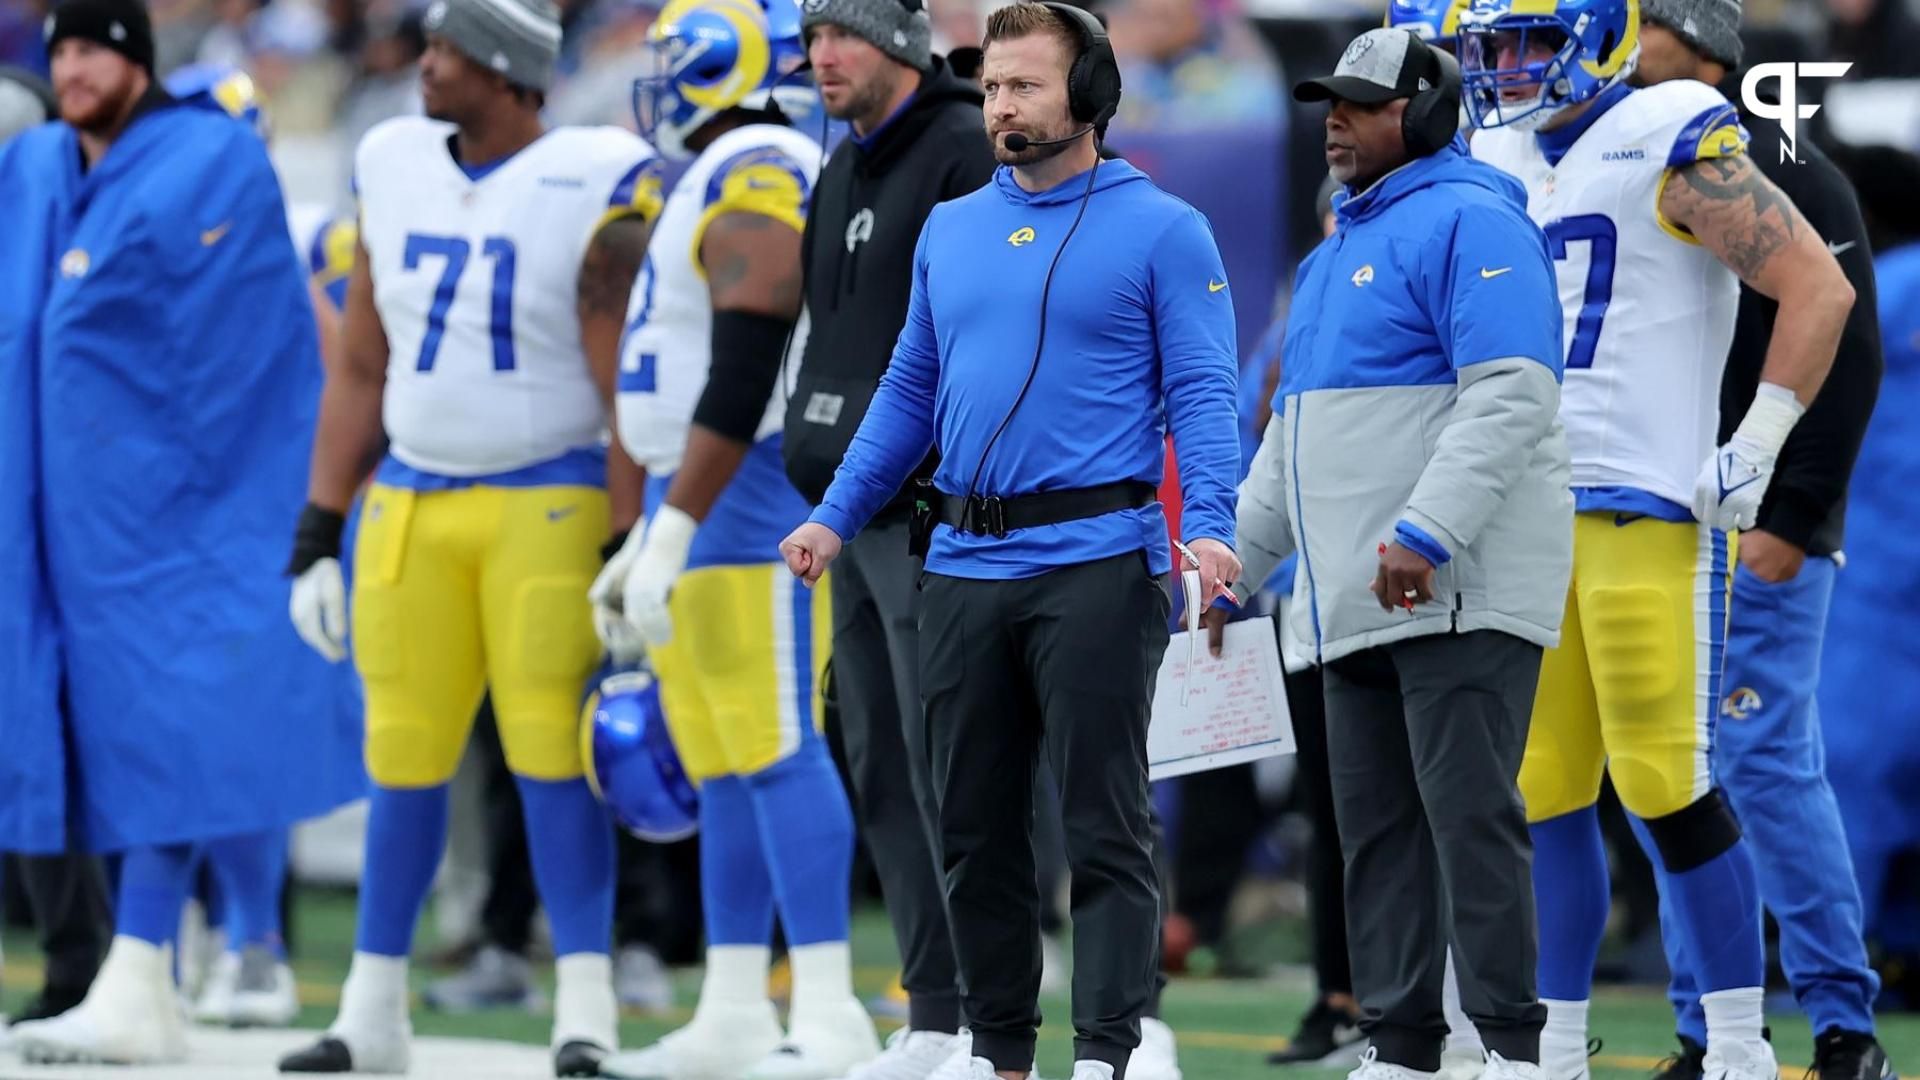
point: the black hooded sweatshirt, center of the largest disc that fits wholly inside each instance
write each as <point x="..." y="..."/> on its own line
<point x="862" y="228"/>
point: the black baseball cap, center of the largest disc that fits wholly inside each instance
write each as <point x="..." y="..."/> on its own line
<point x="1380" y="65"/>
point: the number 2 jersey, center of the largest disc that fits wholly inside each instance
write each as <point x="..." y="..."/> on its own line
<point x="1648" y="311"/>
<point x="475" y="277"/>
<point x="666" y="353"/>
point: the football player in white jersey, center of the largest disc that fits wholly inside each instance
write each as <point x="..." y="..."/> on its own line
<point x="483" y="319"/>
<point x="739" y="647"/>
<point x="1654" y="215"/>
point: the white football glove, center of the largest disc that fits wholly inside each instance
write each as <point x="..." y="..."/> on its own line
<point x="1728" y="492"/>
<point x="319" y="609"/>
<point x="663" y="556"/>
<point x="608" y="597"/>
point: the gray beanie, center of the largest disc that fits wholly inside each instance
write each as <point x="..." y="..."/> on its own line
<point x="1710" y="27"/>
<point x="519" y="39"/>
<point x="899" y="28"/>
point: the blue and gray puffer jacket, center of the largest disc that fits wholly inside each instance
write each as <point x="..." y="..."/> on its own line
<point x="1418" y="402"/>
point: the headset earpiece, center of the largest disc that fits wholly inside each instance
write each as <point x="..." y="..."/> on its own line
<point x="1093" y="83"/>
<point x="1432" y="116"/>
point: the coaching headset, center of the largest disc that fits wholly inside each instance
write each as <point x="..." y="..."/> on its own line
<point x="1433" y="115"/>
<point x="1093" y="96"/>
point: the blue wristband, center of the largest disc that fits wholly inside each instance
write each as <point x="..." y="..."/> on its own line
<point x="1416" y="540"/>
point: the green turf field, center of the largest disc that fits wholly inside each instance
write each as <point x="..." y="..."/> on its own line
<point x="1225" y="1026"/>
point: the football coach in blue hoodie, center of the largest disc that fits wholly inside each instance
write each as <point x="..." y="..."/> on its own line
<point x="1416" y="463"/>
<point x="1061" y="319"/>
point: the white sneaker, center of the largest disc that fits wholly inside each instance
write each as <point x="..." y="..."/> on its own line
<point x="1097" y="1070"/>
<point x="1739" y="1059"/>
<point x="215" y="1004"/>
<point x="1498" y="1068"/>
<point x="964" y="1066"/>
<point x="1372" y="1068"/>
<point x="913" y="1055"/>
<point x="1156" y="1058"/>
<point x="959" y="1061"/>
<point x="721" y="1042"/>
<point x="1466" y="1063"/>
<point x="130" y="1016"/>
<point x="823" y="1042"/>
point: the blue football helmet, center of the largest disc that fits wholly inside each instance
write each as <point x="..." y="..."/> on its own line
<point x="1433" y="21"/>
<point x="707" y="56"/>
<point x="631" y="763"/>
<point x="1578" y="48"/>
<point x="222" y="87"/>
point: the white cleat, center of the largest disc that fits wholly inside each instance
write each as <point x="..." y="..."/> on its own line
<point x="1739" y="1059"/>
<point x="1156" y="1058"/>
<point x="823" y="1042"/>
<point x="914" y="1055"/>
<point x="1097" y="1070"/>
<point x="372" y="1033"/>
<point x="215" y="1004"/>
<point x="1372" y="1068"/>
<point x="721" y="1042"/>
<point x="130" y="1016"/>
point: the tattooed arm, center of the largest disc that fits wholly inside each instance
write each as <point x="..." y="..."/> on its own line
<point x="1752" y="227"/>
<point x="753" y="280"/>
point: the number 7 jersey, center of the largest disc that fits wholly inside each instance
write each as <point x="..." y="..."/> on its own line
<point x="476" y="279"/>
<point x="1648" y="311"/>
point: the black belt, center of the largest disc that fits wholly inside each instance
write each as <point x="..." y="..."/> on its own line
<point x="992" y="515"/>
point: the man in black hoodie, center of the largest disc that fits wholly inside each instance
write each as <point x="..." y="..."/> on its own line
<point x="917" y="140"/>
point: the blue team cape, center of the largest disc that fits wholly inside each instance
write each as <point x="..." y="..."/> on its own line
<point x="174" y="361"/>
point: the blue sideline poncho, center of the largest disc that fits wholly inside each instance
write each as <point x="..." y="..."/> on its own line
<point x="161" y="384"/>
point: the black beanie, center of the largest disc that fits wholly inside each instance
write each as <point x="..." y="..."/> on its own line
<point x="120" y="25"/>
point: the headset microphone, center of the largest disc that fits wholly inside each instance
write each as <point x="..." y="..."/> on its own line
<point x="1018" y="142"/>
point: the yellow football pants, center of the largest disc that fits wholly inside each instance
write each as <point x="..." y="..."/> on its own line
<point x="741" y="680"/>
<point x="1635" y="682"/>
<point x="459" y="592"/>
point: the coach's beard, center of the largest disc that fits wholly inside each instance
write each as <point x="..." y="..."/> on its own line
<point x="1037" y="151"/>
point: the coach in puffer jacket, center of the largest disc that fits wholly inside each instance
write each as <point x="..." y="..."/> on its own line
<point x="1417" y="465"/>
<point x="1418" y="405"/>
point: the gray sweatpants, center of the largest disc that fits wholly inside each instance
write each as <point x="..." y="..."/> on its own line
<point x="1424" y="742"/>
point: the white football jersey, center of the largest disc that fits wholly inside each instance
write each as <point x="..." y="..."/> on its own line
<point x="666" y="351"/>
<point x="1649" y="312"/>
<point x="476" y="284"/>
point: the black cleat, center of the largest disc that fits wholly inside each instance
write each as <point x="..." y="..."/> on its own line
<point x="1689" y="1064"/>
<point x="578" y="1058"/>
<point x="1849" y="1055"/>
<point x="1323" y="1031"/>
<point x="329" y="1055"/>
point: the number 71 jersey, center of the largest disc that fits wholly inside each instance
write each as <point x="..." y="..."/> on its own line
<point x="476" y="282"/>
<point x="1648" y="311"/>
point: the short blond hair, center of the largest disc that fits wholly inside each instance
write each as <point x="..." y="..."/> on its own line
<point x="1023" y="18"/>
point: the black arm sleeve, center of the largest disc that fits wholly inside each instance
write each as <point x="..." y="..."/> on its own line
<point x="747" y="354"/>
<point x="1810" y="481"/>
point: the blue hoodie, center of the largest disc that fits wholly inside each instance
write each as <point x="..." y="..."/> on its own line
<point x="1139" y="333"/>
